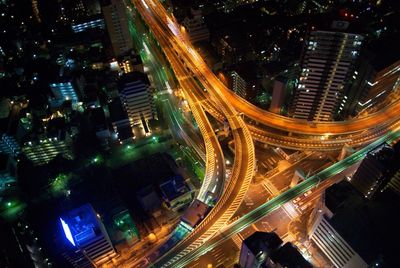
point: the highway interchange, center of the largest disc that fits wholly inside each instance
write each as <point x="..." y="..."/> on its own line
<point x="213" y="96"/>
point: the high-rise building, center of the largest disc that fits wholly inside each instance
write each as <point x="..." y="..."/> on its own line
<point x="376" y="170"/>
<point x="64" y="91"/>
<point x="333" y="245"/>
<point x="257" y="248"/>
<point x="195" y="27"/>
<point x="116" y="19"/>
<point x="8" y="145"/>
<point x="263" y="249"/>
<point x="383" y="83"/>
<point x="120" y="121"/>
<point x="88" y="242"/>
<point x="137" y="99"/>
<point x="352" y="231"/>
<point x="238" y="84"/>
<point x="327" y="65"/>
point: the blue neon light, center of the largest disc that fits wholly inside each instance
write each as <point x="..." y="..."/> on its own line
<point x="67" y="232"/>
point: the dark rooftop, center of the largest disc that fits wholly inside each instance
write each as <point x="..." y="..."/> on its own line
<point x="337" y="194"/>
<point x="262" y="241"/>
<point x="173" y="188"/>
<point x="133" y="77"/>
<point x="369" y="226"/>
<point x="289" y="256"/>
<point x="117" y="112"/>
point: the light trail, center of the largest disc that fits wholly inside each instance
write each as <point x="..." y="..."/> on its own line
<point x="179" y="56"/>
<point x="243" y="167"/>
<point x="276" y="202"/>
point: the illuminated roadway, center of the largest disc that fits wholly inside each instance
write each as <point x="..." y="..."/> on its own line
<point x="213" y="157"/>
<point x="373" y="123"/>
<point x="300" y="189"/>
<point x="243" y="167"/>
<point x="180" y="54"/>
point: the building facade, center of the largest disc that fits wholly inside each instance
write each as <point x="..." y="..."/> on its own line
<point x="335" y="248"/>
<point x="327" y="65"/>
<point x="238" y="84"/>
<point x="383" y="83"/>
<point x="137" y="99"/>
<point x="89" y="24"/>
<point x="64" y="91"/>
<point x="116" y="20"/>
<point x="43" y="149"/>
<point x="375" y="170"/>
<point x="87" y="237"/>
<point x="9" y="145"/>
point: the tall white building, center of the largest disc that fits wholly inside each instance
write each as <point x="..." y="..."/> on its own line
<point x="338" y="251"/>
<point x="116" y="20"/>
<point x="327" y="66"/>
<point x="137" y="99"/>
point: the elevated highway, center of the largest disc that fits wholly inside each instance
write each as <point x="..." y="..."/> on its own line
<point x="243" y="167"/>
<point x="340" y="130"/>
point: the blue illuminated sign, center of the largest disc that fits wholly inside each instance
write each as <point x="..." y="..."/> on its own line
<point x="67" y="232"/>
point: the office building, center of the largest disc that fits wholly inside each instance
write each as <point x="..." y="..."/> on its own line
<point x="131" y="63"/>
<point x="327" y="67"/>
<point x="137" y="99"/>
<point x="257" y="248"/>
<point x="87" y="25"/>
<point x="353" y="231"/>
<point x="238" y="84"/>
<point x="287" y="255"/>
<point x="263" y="249"/>
<point x="120" y="121"/>
<point x="8" y="145"/>
<point x="381" y="84"/>
<point x="86" y="237"/>
<point x="64" y="91"/>
<point x="195" y="27"/>
<point x="376" y="170"/>
<point x="21" y="246"/>
<point x="333" y="245"/>
<point x="115" y="16"/>
<point x="43" y="147"/>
